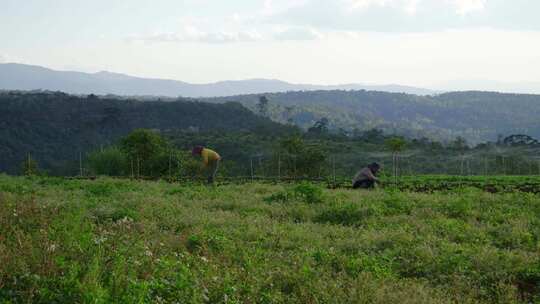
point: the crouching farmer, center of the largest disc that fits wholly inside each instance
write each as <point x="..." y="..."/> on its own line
<point x="210" y="160"/>
<point x="366" y="177"/>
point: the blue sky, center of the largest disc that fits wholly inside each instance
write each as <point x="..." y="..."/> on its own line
<point x="427" y="43"/>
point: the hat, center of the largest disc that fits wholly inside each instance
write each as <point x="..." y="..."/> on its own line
<point x="375" y="165"/>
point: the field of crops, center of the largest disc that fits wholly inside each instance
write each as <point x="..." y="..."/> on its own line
<point x="494" y="184"/>
<point x="423" y="183"/>
<point x="122" y="241"/>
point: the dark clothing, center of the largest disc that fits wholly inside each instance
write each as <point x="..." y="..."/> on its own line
<point x="364" y="184"/>
<point x="364" y="173"/>
<point x="365" y="178"/>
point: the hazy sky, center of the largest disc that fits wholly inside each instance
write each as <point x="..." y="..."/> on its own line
<point x="414" y="42"/>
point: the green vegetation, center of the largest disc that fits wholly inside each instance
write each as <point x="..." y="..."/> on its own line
<point x="121" y="241"/>
<point x="72" y="135"/>
<point x="30" y="166"/>
<point x="56" y="128"/>
<point x="476" y="116"/>
<point x="509" y="184"/>
<point x="110" y="161"/>
<point x="396" y="145"/>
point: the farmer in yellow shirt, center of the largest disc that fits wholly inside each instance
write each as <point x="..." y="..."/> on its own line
<point x="210" y="161"/>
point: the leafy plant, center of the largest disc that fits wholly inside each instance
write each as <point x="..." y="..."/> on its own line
<point x="308" y="193"/>
<point x="303" y="192"/>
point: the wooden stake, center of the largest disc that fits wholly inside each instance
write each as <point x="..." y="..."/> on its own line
<point x="334" y="168"/>
<point x="170" y="160"/>
<point x="462" y="163"/>
<point x="138" y="167"/>
<point x="251" y="166"/>
<point x="80" y="164"/>
<point x="279" y="166"/>
<point x="28" y="169"/>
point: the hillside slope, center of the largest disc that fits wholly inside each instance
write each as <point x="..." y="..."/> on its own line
<point x="477" y="116"/>
<point x="57" y="126"/>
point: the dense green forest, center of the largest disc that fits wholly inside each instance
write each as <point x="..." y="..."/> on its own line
<point x="56" y="128"/>
<point x="61" y="134"/>
<point x="475" y="116"/>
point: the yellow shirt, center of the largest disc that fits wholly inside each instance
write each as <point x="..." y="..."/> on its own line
<point x="209" y="156"/>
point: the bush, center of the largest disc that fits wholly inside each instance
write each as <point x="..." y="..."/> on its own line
<point x="279" y="197"/>
<point x="109" y="161"/>
<point x="308" y="193"/>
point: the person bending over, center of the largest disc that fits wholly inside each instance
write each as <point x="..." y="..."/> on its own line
<point x="366" y="177"/>
<point x="210" y="160"/>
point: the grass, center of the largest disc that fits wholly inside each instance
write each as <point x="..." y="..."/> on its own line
<point x="103" y="241"/>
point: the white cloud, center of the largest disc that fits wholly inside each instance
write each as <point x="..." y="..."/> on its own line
<point x="381" y="15"/>
<point x="412" y="6"/>
<point x="364" y="4"/>
<point x="271" y="7"/>
<point x="297" y="33"/>
<point x="408" y="6"/>
<point x="303" y="20"/>
<point x="5" y="58"/>
<point x="194" y="34"/>
<point x="464" y="7"/>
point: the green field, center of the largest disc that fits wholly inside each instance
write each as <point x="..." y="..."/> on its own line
<point x="422" y="183"/>
<point x="122" y="241"/>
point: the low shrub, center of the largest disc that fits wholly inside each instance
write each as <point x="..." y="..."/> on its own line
<point x="304" y="192"/>
<point x="308" y="193"/>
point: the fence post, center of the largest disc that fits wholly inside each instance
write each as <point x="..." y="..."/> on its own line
<point x="80" y="164"/>
<point x="27" y="170"/>
<point x="279" y="166"/>
<point x="251" y="166"/>
<point x="138" y="167"/>
<point x="170" y="160"/>
<point x="394" y="161"/>
<point x="462" y="164"/>
<point x="334" y="169"/>
<point x="179" y="168"/>
<point x="261" y="168"/>
<point x="295" y="172"/>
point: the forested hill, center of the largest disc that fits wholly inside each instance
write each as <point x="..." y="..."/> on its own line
<point x="55" y="127"/>
<point x="477" y="116"/>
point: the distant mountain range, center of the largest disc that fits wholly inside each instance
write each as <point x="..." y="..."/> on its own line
<point x="15" y="76"/>
<point x="475" y="115"/>
<point x="489" y="85"/>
